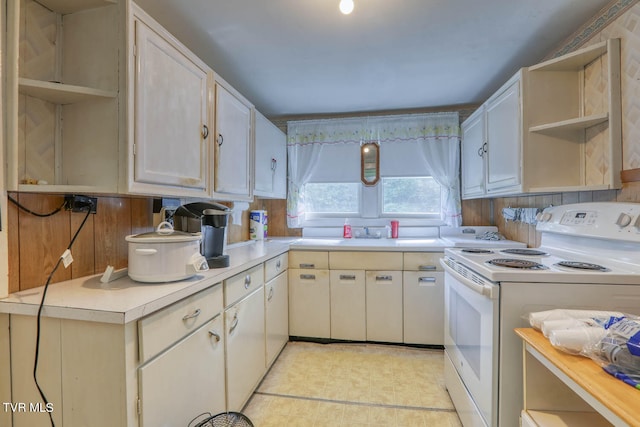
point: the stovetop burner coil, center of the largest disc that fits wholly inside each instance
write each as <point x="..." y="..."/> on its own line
<point x="524" y="251"/>
<point x="581" y="265"/>
<point x="477" y="251"/>
<point x="517" y="263"/>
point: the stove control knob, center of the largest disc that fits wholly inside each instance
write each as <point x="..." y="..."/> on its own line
<point x="624" y="220"/>
<point x="637" y="223"/>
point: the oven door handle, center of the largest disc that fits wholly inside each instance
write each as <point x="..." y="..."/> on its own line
<point x="486" y="290"/>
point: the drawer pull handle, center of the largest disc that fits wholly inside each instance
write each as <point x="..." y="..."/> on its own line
<point x="270" y="294"/>
<point x="307" y="266"/>
<point x="205" y="131"/>
<point x="278" y="265"/>
<point x="422" y="280"/>
<point x="193" y="315"/>
<point x="234" y="324"/>
<point x="247" y="281"/>
<point x="308" y="276"/>
<point x="347" y="277"/>
<point x="220" y="140"/>
<point x="426" y="267"/>
<point x="384" y="278"/>
<point x="215" y="335"/>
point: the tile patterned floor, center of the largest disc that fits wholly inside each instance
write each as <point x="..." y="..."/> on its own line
<point x="353" y="385"/>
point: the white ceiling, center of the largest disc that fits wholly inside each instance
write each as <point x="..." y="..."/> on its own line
<point x="293" y="57"/>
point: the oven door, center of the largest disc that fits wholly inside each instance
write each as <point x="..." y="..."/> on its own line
<point x="471" y="340"/>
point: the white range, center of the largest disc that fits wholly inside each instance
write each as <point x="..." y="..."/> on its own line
<point x="589" y="258"/>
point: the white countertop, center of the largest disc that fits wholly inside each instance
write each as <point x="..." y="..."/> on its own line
<point x="430" y="244"/>
<point x="125" y="300"/>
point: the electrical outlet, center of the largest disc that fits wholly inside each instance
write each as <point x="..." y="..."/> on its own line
<point x="75" y="203"/>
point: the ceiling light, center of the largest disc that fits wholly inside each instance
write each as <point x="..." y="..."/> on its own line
<point x="346" y="6"/>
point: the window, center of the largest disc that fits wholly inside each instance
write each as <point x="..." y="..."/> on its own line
<point x="418" y="169"/>
<point x="332" y="199"/>
<point x="415" y="196"/>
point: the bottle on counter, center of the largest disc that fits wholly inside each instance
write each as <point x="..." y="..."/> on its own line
<point x="346" y="229"/>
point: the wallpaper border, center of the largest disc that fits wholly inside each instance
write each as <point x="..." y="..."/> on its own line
<point x="603" y="18"/>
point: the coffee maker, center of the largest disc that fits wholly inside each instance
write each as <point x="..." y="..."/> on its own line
<point x="210" y="220"/>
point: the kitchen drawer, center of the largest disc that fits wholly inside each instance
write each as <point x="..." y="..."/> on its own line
<point x="243" y="284"/>
<point x="344" y="260"/>
<point x="162" y="328"/>
<point x="275" y="266"/>
<point x="309" y="259"/>
<point x="422" y="261"/>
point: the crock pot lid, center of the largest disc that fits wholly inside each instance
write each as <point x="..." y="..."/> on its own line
<point x="164" y="233"/>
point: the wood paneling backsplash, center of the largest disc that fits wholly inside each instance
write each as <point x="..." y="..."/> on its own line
<point x="489" y="211"/>
<point x="35" y="243"/>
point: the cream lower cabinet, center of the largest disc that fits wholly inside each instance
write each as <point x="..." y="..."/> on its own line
<point x="309" y="294"/>
<point x="244" y="334"/>
<point x="186" y="380"/>
<point x="276" y="306"/>
<point x="384" y="306"/>
<point x="348" y="315"/>
<point x="423" y="298"/>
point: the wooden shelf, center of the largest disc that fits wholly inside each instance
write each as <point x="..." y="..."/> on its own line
<point x="573" y="61"/>
<point x="567" y="418"/>
<point x="614" y="400"/>
<point x="71" y="6"/>
<point x="59" y="93"/>
<point x="571" y="125"/>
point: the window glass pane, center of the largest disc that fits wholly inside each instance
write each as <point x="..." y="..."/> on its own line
<point x="414" y="195"/>
<point x="332" y="198"/>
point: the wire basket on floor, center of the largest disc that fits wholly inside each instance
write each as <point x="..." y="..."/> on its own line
<point x="226" y="419"/>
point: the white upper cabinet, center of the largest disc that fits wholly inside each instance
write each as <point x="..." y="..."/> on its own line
<point x="171" y="115"/>
<point x="474" y="146"/>
<point x="64" y="101"/>
<point x="233" y="156"/>
<point x="270" y="159"/>
<point x="504" y="133"/>
<point x="553" y="127"/>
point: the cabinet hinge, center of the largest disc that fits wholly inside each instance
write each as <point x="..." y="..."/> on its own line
<point x="135" y="50"/>
<point x="134" y="149"/>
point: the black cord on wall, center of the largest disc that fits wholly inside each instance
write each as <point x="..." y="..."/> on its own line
<point x="44" y="294"/>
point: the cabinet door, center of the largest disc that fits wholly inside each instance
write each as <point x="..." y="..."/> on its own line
<point x="276" y="295"/>
<point x="171" y="115"/>
<point x="233" y="158"/>
<point x="473" y="154"/>
<point x="186" y="380"/>
<point x="309" y="303"/>
<point x="423" y="307"/>
<point x="384" y="306"/>
<point x="244" y="328"/>
<point x="271" y="160"/>
<point x="348" y="315"/>
<point x="505" y="139"/>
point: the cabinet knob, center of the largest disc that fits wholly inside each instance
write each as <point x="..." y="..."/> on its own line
<point x="205" y="131"/>
<point x="247" y="281"/>
<point x="220" y="140"/>
<point x="278" y="265"/>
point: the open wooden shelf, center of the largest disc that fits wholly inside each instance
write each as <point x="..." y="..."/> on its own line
<point x="574" y="61"/>
<point x="59" y="93"/>
<point x="571" y="125"/>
